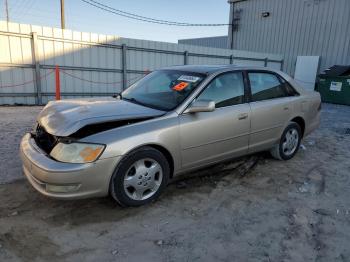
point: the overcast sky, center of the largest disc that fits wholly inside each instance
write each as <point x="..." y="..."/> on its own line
<point x="82" y="17"/>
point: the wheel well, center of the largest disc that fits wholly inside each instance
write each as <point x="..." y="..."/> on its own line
<point x="300" y="121"/>
<point x="167" y="155"/>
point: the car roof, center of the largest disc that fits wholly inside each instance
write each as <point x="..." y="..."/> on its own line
<point x="210" y="69"/>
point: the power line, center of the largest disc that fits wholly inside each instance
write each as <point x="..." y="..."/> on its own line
<point x="125" y="15"/>
<point x="135" y="15"/>
<point x="142" y="18"/>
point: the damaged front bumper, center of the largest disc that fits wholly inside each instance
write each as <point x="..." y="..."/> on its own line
<point x="65" y="180"/>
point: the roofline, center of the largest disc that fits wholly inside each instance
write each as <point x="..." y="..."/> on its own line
<point x="205" y="37"/>
<point x="212" y="69"/>
<point x="235" y="1"/>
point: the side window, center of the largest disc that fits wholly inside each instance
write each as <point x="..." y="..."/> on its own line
<point x="225" y="90"/>
<point x="266" y="86"/>
<point x="290" y="90"/>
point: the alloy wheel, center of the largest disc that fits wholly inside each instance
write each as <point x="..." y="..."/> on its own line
<point x="143" y="179"/>
<point x="290" y="141"/>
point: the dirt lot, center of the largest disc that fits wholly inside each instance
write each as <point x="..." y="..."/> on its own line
<point x="254" y="209"/>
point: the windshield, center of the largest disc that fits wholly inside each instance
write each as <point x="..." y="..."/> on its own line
<point x="163" y="89"/>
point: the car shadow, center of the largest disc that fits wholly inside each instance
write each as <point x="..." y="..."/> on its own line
<point x="20" y="199"/>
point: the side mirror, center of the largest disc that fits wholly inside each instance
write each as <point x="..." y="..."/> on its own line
<point x="201" y="106"/>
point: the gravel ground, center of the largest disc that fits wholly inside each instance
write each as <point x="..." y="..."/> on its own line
<point x="14" y="123"/>
<point x="253" y="209"/>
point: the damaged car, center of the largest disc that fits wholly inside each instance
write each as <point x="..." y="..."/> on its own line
<point x="172" y="121"/>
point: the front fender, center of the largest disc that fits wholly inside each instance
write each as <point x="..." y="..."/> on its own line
<point x="163" y="131"/>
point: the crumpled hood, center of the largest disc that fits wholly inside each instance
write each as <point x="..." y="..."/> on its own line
<point x="65" y="117"/>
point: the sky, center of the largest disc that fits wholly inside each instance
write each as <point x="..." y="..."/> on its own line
<point x="83" y="17"/>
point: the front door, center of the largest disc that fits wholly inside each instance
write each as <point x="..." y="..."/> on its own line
<point x="207" y="137"/>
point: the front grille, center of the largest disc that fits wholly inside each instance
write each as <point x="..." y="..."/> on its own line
<point x="44" y="140"/>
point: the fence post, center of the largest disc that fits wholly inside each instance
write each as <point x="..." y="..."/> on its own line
<point x="231" y="59"/>
<point x="185" y="57"/>
<point x="266" y="61"/>
<point x="124" y="67"/>
<point x="35" y="52"/>
<point x="58" y="86"/>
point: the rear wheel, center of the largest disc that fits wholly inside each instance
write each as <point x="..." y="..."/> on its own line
<point x="289" y="143"/>
<point x="140" y="177"/>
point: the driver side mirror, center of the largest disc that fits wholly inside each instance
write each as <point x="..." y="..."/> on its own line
<point x="201" y="106"/>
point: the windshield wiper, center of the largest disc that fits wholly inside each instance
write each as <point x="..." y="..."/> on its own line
<point x="133" y="100"/>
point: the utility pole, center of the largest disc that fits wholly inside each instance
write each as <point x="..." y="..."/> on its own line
<point x="63" y="25"/>
<point x="231" y="26"/>
<point x="7" y="11"/>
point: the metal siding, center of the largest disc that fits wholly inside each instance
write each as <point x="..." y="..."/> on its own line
<point x="298" y="27"/>
<point x="216" y="41"/>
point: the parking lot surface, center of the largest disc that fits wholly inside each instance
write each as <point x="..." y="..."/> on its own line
<point x="252" y="209"/>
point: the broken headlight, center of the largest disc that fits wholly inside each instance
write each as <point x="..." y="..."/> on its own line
<point x="77" y="152"/>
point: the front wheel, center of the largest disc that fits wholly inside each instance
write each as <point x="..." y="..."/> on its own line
<point x="140" y="177"/>
<point x="289" y="143"/>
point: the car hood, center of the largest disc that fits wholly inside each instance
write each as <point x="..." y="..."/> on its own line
<point x="65" y="117"/>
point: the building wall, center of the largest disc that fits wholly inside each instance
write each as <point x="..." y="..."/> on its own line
<point x="294" y="28"/>
<point x="215" y="41"/>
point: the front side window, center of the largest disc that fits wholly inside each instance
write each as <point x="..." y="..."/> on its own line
<point x="163" y="89"/>
<point x="266" y="86"/>
<point x="225" y="90"/>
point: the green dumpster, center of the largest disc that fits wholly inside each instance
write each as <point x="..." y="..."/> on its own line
<point x="334" y="85"/>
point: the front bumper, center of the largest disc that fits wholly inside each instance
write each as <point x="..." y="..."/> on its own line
<point x="51" y="177"/>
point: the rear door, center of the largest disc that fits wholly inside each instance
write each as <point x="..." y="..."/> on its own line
<point x="208" y="137"/>
<point x="271" y="107"/>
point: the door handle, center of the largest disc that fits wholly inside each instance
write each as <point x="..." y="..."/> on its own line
<point x="286" y="108"/>
<point x="242" y="116"/>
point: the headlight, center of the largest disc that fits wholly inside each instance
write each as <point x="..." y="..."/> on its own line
<point x="77" y="152"/>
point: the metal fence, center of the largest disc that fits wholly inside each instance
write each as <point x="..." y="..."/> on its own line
<point x="93" y="64"/>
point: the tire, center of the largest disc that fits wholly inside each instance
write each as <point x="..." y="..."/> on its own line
<point x="288" y="147"/>
<point x="140" y="177"/>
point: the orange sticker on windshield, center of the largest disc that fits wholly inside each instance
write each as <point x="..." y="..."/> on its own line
<point x="180" y="86"/>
